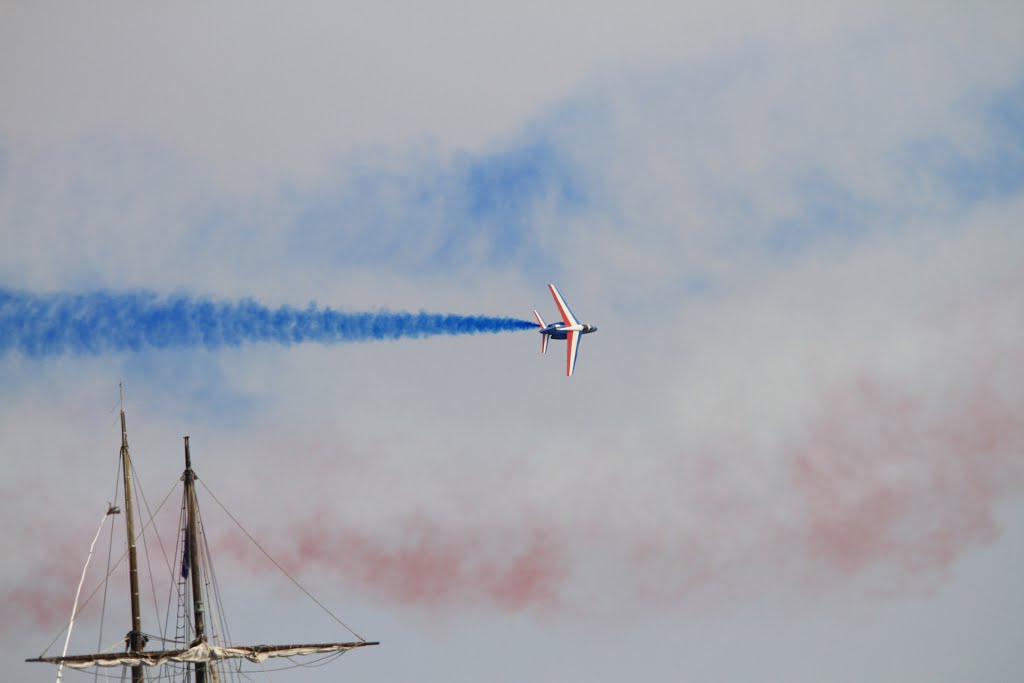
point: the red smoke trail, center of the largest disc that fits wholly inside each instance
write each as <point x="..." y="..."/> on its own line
<point x="435" y="567"/>
<point x="882" y="477"/>
<point x="886" y="478"/>
<point x="42" y="592"/>
<point x="42" y="600"/>
<point x="425" y="564"/>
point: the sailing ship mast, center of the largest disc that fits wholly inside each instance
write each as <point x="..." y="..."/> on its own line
<point x="189" y="477"/>
<point x="136" y="641"/>
<point x="199" y="651"/>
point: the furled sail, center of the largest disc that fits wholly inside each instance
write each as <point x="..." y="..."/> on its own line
<point x="201" y="652"/>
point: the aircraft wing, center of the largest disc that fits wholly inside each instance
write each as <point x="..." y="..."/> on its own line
<point x="572" y="345"/>
<point x="567" y="317"/>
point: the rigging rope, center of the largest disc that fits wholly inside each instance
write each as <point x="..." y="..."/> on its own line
<point x="145" y="544"/>
<point x="283" y="570"/>
<point x="78" y="593"/>
<point x="217" y="612"/>
<point x="176" y="589"/>
<point x="109" y="572"/>
<point x="110" y="555"/>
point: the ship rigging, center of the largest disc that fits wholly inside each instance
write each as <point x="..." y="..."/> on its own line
<point x="199" y="648"/>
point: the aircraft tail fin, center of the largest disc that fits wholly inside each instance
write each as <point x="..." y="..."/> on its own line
<point x="543" y="337"/>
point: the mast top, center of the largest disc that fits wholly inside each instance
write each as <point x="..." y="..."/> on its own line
<point x="124" y="428"/>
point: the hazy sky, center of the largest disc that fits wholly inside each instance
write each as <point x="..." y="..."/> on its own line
<point x="793" y="452"/>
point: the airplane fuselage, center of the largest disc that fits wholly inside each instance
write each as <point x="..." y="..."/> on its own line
<point x="560" y="331"/>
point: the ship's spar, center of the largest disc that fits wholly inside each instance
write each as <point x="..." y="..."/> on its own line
<point x="200" y="653"/>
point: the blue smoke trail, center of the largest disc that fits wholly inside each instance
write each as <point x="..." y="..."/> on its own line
<point x="98" y="322"/>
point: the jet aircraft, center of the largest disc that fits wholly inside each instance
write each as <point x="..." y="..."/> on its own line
<point x="569" y="329"/>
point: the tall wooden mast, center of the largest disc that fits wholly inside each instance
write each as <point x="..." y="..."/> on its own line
<point x="135" y="637"/>
<point x="195" y="567"/>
